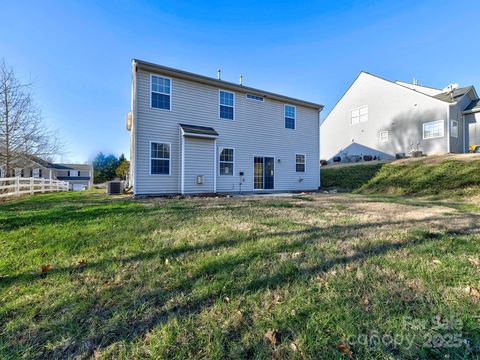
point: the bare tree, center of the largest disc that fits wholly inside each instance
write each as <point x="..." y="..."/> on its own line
<point x="23" y="132"/>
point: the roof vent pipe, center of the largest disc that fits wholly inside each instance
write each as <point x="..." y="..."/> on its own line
<point x="219" y="71"/>
<point x="241" y="79"/>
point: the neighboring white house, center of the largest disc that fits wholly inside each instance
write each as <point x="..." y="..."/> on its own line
<point x="195" y="134"/>
<point x="383" y="118"/>
<point x="79" y="176"/>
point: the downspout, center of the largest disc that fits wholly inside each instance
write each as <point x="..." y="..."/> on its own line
<point x="449" y="150"/>
<point x="464" y="135"/>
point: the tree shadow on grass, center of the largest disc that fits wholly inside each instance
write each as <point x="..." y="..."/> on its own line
<point x="161" y="309"/>
<point x="308" y="235"/>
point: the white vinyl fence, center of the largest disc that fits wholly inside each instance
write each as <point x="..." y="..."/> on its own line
<point x="16" y="186"/>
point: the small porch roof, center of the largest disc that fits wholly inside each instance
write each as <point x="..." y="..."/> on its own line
<point x="198" y="131"/>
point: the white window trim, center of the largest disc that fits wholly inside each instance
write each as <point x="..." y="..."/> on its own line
<point x="304" y="163"/>
<point x="156" y="92"/>
<point x="285" y="116"/>
<point x="220" y="148"/>
<point x="387" y="137"/>
<point x="169" y="158"/>
<point x="433" y="122"/>
<point x="70" y="173"/>
<point x="38" y="173"/>
<point x="258" y="98"/>
<point x="358" y="108"/>
<point x="219" y="104"/>
<point x="451" y="128"/>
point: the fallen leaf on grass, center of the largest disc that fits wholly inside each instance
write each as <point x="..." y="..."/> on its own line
<point x="474" y="261"/>
<point x="345" y="349"/>
<point x="436" y="261"/>
<point x="474" y="293"/>
<point x="46" y="268"/>
<point x="273" y="336"/>
<point x="360" y="276"/>
<point x="366" y="303"/>
<point x="293" y="347"/>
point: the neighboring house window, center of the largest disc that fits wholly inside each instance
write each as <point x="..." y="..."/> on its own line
<point x="160" y="92"/>
<point x="454" y="128"/>
<point x="359" y="115"/>
<point x="74" y="173"/>
<point x="36" y="173"/>
<point x="254" y="97"/>
<point x="18" y="172"/>
<point x="383" y="136"/>
<point x="300" y="163"/>
<point x="227" y="158"/>
<point x="159" y="158"/>
<point x="227" y="105"/>
<point x="2" y="172"/>
<point x="433" y="129"/>
<point x="290" y="117"/>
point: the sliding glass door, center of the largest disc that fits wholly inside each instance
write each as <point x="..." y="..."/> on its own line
<point x="263" y="173"/>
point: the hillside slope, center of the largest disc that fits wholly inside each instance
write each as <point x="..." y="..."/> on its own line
<point x="452" y="174"/>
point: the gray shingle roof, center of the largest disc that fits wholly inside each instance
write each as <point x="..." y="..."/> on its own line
<point x="199" y="130"/>
<point x="452" y="96"/>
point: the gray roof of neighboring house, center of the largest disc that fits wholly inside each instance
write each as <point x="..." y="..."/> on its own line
<point x="452" y="96"/>
<point x="74" y="166"/>
<point x="63" y="178"/>
<point x="40" y="161"/>
<point x="222" y="84"/>
<point x="199" y="130"/>
<point x="474" y="106"/>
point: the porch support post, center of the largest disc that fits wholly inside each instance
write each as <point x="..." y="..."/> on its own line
<point x="182" y="168"/>
<point x="215" y="165"/>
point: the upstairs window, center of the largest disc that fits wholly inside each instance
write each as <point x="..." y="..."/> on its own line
<point x="161" y="92"/>
<point x="359" y="115"/>
<point x="454" y="128"/>
<point x="300" y="163"/>
<point x="159" y="158"/>
<point x="227" y="105"/>
<point x="74" y="173"/>
<point x="383" y="136"/>
<point x="254" y="97"/>
<point x="227" y="158"/>
<point x="434" y="129"/>
<point x="289" y="116"/>
<point x="36" y="173"/>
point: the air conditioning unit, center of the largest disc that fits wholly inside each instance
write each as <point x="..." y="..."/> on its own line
<point x="114" y="188"/>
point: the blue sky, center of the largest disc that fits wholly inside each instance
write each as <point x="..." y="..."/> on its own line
<point x="78" y="53"/>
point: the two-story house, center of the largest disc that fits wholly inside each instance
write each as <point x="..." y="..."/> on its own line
<point x="384" y="118"/>
<point x="79" y="176"/>
<point x="195" y="134"/>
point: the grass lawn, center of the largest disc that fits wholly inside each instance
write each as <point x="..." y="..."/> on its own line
<point x="308" y="276"/>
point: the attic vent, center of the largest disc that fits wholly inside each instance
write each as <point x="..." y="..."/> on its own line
<point x="254" y="97"/>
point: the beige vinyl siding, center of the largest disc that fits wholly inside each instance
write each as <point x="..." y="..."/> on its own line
<point x="258" y="129"/>
<point x="392" y="108"/>
<point x="199" y="160"/>
<point x="472" y="123"/>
